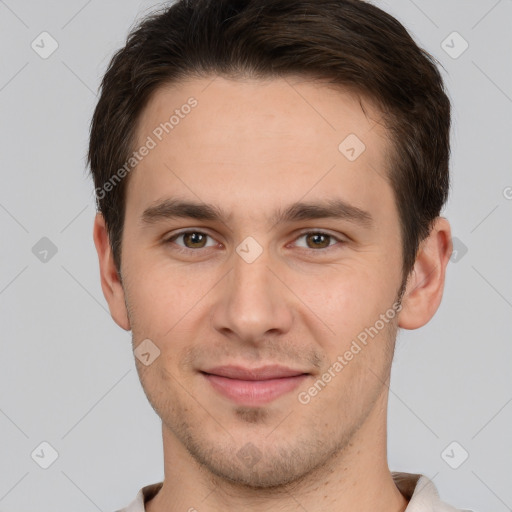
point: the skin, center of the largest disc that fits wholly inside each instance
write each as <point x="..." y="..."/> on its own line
<point x="250" y="147"/>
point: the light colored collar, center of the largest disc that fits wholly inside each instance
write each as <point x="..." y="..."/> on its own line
<point x="418" y="489"/>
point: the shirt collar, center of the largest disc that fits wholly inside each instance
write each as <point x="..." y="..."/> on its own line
<point x="418" y="489"/>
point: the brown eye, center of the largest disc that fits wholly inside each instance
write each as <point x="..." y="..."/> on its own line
<point x="191" y="240"/>
<point x="194" y="239"/>
<point x="318" y="240"/>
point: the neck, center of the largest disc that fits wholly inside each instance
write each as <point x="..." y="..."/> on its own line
<point x="356" y="478"/>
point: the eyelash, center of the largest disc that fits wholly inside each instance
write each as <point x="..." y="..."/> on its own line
<point x="305" y="233"/>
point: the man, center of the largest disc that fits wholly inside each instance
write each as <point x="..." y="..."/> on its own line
<point x="269" y="177"/>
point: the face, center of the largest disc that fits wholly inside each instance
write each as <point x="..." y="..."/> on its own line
<point x="256" y="285"/>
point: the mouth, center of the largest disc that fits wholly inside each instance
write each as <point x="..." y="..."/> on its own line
<point x="255" y="386"/>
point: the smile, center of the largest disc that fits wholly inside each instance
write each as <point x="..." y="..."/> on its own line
<point x="253" y="392"/>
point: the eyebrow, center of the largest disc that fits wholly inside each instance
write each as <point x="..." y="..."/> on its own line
<point x="172" y="208"/>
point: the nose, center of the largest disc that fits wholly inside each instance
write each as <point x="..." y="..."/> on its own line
<point x="253" y="303"/>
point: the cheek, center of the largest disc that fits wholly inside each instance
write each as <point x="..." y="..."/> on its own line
<point x="345" y="297"/>
<point x="170" y="307"/>
<point x="351" y="306"/>
<point x="160" y="290"/>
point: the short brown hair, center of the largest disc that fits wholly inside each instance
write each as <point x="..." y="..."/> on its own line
<point x="350" y="43"/>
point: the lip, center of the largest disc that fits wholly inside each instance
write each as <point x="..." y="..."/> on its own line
<point x="254" y="386"/>
<point x="267" y="372"/>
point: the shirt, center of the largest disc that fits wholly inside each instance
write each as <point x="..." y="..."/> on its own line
<point x="418" y="489"/>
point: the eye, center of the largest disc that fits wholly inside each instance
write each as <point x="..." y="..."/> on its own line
<point x="191" y="240"/>
<point x="319" y="240"/>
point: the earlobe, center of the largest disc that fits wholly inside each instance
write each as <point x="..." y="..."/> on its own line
<point x="425" y="285"/>
<point x="110" y="282"/>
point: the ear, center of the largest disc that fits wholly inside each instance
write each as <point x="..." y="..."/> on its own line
<point x="425" y="284"/>
<point x="110" y="282"/>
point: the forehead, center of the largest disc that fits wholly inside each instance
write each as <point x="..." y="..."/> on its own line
<point x="297" y="105"/>
<point x="260" y="139"/>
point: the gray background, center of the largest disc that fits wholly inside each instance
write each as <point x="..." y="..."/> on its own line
<point x="67" y="374"/>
